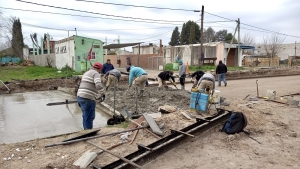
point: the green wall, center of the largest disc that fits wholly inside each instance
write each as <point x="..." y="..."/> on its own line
<point x="82" y="47"/>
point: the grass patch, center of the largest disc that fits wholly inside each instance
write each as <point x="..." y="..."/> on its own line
<point x="169" y="67"/>
<point x="124" y="125"/>
<point x="7" y="73"/>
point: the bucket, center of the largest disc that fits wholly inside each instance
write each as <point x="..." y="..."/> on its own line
<point x="216" y="98"/>
<point x="198" y="101"/>
<point x="271" y="94"/>
<point x="175" y="66"/>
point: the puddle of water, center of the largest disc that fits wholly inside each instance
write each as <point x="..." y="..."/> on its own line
<point x="25" y="116"/>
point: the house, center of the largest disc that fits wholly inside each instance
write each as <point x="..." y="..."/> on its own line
<point x="145" y="49"/>
<point x="73" y="52"/>
<point x="215" y="50"/>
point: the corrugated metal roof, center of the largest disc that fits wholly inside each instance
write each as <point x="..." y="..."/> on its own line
<point x="121" y="45"/>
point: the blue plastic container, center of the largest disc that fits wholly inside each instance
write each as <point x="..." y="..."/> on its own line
<point x="199" y="101"/>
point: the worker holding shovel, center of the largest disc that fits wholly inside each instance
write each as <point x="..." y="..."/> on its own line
<point x="163" y="76"/>
<point x="182" y="73"/>
<point x="112" y="76"/>
<point x="87" y="94"/>
<point x="140" y="78"/>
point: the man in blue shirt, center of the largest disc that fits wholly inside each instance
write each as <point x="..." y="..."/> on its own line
<point x="107" y="67"/>
<point x="140" y="77"/>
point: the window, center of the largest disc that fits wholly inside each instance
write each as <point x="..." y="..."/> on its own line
<point x="78" y="58"/>
<point x="57" y="50"/>
<point x="63" y="49"/>
<point x="93" y="55"/>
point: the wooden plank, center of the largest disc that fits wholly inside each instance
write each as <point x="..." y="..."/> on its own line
<point x="153" y="125"/>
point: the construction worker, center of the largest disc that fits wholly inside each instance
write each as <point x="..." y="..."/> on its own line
<point x="107" y="67"/>
<point x="182" y="73"/>
<point x="88" y="94"/>
<point x="198" y="74"/>
<point x="140" y="76"/>
<point x="221" y="71"/>
<point x="207" y="82"/>
<point x="162" y="77"/>
<point x="112" y="76"/>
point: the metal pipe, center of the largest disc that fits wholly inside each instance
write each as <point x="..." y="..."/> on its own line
<point x="87" y="138"/>
<point x="5" y="86"/>
<point x="163" y="145"/>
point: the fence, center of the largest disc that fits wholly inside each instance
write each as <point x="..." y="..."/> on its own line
<point x="155" y="63"/>
<point x="43" y="60"/>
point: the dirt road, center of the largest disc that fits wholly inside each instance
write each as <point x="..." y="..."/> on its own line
<point x="276" y="126"/>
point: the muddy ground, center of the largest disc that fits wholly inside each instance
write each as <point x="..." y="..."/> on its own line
<point x="150" y="101"/>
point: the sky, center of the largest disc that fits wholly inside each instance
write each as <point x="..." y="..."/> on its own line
<point x="107" y="21"/>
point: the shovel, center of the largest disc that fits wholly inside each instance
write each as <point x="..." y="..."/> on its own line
<point x="89" y="156"/>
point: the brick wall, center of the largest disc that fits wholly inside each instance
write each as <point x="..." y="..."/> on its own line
<point x="133" y="59"/>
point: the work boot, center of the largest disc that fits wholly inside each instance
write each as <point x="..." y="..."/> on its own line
<point x="166" y="88"/>
<point x="141" y="93"/>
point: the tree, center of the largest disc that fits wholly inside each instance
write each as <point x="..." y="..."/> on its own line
<point x="248" y="40"/>
<point x="192" y="35"/>
<point x="272" y="45"/>
<point x="229" y="37"/>
<point x="175" y="39"/>
<point x="220" y="35"/>
<point x="186" y="31"/>
<point x="208" y="35"/>
<point x="183" y="35"/>
<point x="17" y="41"/>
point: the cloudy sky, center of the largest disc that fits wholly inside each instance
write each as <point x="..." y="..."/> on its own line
<point x="136" y="24"/>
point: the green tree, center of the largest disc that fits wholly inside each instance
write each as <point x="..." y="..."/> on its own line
<point x="186" y="37"/>
<point x="17" y="41"/>
<point x="220" y="35"/>
<point x="192" y="34"/>
<point x="175" y="39"/>
<point x="228" y="38"/>
<point x="183" y="35"/>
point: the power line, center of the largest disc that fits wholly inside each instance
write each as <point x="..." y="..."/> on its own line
<point x="140" y="6"/>
<point x="57" y="13"/>
<point x="270" y="31"/>
<point x="127" y="17"/>
<point x="152" y="7"/>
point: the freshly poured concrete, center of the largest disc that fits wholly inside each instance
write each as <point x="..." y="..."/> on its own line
<point x="25" y="116"/>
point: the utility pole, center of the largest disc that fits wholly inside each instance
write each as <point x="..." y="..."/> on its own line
<point x="201" y="50"/>
<point x="48" y="44"/>
<point x="239" y="40"/>
<point x="42" y="45"/>
<point x="295" y="47"/>
<point x="119" y="52"/>
<point x="76" y="31"/>
<point x="139" y="55"/>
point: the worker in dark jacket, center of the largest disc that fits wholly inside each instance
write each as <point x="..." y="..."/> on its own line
<point x="221" y="70"/>
<point x="198" y="75"/>
<point x="107" y="67"/>
<point x="162" y="77"/>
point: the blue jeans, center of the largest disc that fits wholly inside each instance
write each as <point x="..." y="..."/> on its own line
<point x="221" y="77"/>
<point x="88" y="111"/>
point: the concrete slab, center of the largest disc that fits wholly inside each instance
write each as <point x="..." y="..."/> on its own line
<point x="153" y="124"/>
<point x="85" y="159"/>
<point x="25" y="116"/>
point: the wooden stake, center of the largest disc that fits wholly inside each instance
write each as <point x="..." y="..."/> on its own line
<point x="122" y="158"/>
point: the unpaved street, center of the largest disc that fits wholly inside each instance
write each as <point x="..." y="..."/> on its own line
<point x="274" y="125"/>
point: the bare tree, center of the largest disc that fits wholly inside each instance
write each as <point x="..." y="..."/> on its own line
<point x="272" y="44"/>
<point x="248" y="40"/>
